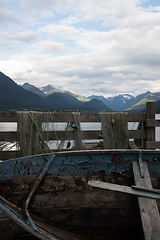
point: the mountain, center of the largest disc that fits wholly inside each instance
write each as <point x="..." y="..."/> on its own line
<point x="32" y="88"/>
<point x="65" y="100"/>
<point x="49" y="89"/>
<point x="141" y="105"/>
<point x="96" y="104"/>
<point x="127" y="102"/>
<point x="60" y="100"/>
<point x="14" y="97"/>
<point x="48" y="98"/>
<point x="117" y="103"/>
<point x="103" y="99"/>
<point x="157" y="106"/>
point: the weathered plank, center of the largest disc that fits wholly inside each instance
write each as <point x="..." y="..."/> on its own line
<point x="8" y="117"/>
<point x="150" y="112"/>
<point x="69" y="135"/>
<point x="148" y="207"/>
<point x="68" y="117"/>
<point x="137" y="134"/>
<point x="8" y="136"/>
<point x="88" y="117"/>
<point x="152" y="123"/>
<point x="5" y="155"/>
<point x="141" y="142"/>
<point x="136" y="117"/>
<point x="63" y="197"/>
<point x="153" y="145"/>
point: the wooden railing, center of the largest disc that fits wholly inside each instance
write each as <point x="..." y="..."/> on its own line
<point x="144" y="136"/>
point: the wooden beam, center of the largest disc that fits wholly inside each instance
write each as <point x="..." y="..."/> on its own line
<point x="8" y="136"/>
<point x="137" y="134"/>
<point x="136" y="117"/>
<point x="153" y="145"/>
<point x="148" y="207"/>
<point x="68" y="117"/>
<point x="6" y="155"/>
<point x="69" y="135"/>
<point x="150" y="112"/>
<point x="8" y="117"/>
<point x="152" y="123"/>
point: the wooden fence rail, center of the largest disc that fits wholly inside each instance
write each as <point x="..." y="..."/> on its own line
<point x="145" y="134"/>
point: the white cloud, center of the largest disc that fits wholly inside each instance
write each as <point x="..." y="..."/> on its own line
<point x="48" y="46"/>
<point x="60" y="30"/>
<point x="110" y="46"/>
<point x="27" y="36"/>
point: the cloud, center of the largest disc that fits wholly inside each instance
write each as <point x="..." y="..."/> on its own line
<point x="27" y="36"/>
<point x="89" y="47"/>
<point x="49" y="46"/>
<point x="60" y="30"/>
<point x="7" y="16"/>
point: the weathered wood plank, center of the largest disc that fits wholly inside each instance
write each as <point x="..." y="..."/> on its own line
<point x="63" y="197"/>
<point x="148" y="207"/>
<point x="8" y="117"/>
<point x="152" y="123"/>
<point x="6" y="155"/>
<point x="137" y="134"/>
<point x="8" y="136"/>
<point x="150" y="112"/>
<point x="141" y="142"/>
<point x="68" y="117"/>
<point x="153" y="145"/>
<point x="136" y="117"/>
<point x="69" y="135"/>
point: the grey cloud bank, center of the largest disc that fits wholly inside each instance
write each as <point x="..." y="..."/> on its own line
<point x="94" y="47"/>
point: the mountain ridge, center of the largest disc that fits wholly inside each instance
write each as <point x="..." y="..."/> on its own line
<point x="16" y="98"/>
<point x="49" y="98"/>
<point x="122" y="102"/>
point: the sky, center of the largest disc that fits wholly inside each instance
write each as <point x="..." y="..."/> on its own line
<point x="93" y="47"/>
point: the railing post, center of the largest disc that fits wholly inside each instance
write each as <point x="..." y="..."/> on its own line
<point x="150" y="114"/>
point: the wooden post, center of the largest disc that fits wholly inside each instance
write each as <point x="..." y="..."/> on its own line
<point x="148" y="207"/>
<point x="150" y="114"/>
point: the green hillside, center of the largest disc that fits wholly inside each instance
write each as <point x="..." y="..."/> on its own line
<point x="139" y="106"/>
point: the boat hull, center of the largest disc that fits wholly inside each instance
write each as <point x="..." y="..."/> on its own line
<point x="65" y="200"/>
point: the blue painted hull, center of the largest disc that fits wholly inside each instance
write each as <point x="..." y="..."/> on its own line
<point x="65" y="200"/>
<point x="81" y="163"/>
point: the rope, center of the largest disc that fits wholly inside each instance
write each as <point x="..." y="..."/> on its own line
<point x="40" y="135"/>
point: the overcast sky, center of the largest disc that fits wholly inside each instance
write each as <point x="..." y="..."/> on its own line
<point x="100" y="47"/>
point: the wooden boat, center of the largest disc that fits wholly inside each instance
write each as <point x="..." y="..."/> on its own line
<point x="53" y="195"/>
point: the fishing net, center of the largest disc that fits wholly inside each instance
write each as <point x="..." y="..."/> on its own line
<point x="33" y="128"/>
<point x="77" y="132"/>
<point x="29" y="129"/>
<point x="115" y="133"/>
